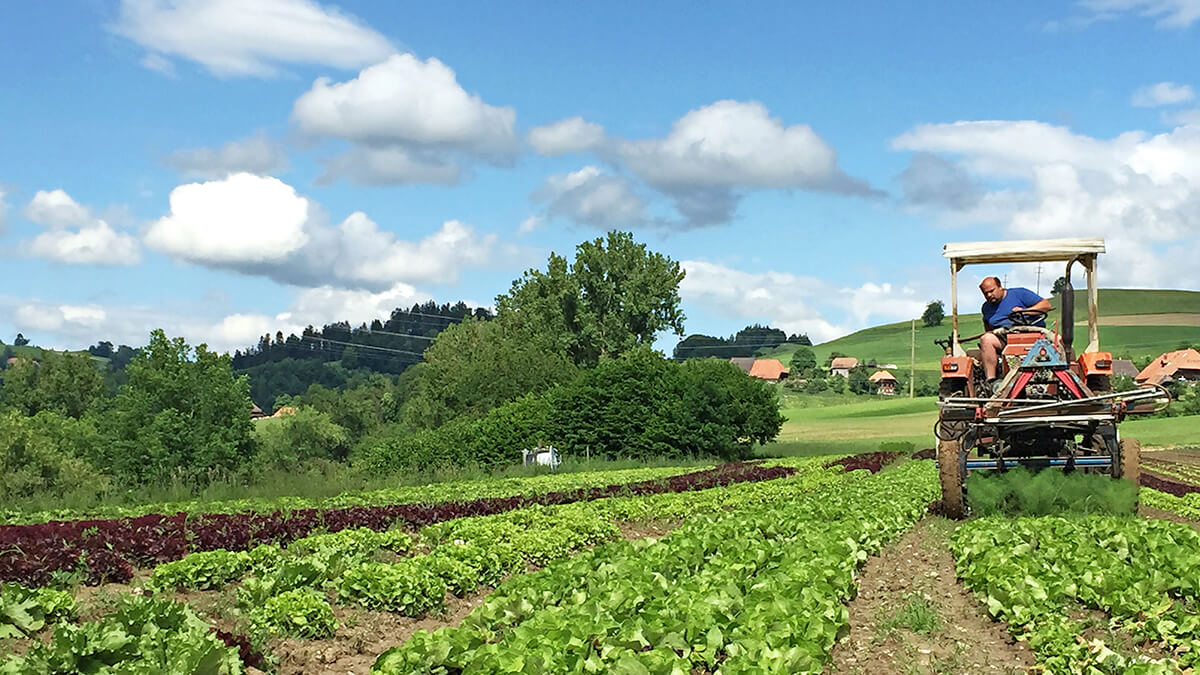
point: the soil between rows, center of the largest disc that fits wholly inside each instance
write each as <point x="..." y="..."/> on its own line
<point x="911" y="584"/>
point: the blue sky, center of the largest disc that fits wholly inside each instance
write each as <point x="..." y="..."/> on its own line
<point x="229" y="168"/>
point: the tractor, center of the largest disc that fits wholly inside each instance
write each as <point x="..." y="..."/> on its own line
<point x="1048" y="407"/>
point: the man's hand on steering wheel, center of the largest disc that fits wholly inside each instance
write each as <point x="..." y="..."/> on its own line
<point x="1022" y="316"/>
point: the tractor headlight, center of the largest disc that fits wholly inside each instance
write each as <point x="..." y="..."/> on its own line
<point x="1104" y="363"/>
<point x="950" y="367"/>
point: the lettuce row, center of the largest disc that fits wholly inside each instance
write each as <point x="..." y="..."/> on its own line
<point x="759" y="588"/>
<point x="1035" y="572"/>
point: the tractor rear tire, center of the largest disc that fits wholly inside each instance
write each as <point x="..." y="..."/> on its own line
<point x="1131" y="458"/>
<point x="949" y="459"/>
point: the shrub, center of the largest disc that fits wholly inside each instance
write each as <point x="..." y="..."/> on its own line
<point x="45" y="455"/>
<point x="308" y="434"/>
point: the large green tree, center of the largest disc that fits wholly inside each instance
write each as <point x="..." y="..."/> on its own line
<point x="68" y="384"/>
<point x="804" y="363"/>
<point x="181" y="413"/>
<point x="478" y="365"/>
<point x="935" y="313"/>
<point x="615" y="295"/>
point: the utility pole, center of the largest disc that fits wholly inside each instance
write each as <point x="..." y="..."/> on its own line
<point x="1038" y="290"/>
<point x="912" y="358"/>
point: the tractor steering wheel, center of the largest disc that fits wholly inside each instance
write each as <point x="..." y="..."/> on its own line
<point x="1027" y="317"/>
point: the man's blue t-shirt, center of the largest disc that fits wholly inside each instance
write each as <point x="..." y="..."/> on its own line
<point x="996" y="314"/>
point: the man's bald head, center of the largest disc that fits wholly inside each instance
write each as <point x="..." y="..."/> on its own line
<point x="991" y="289"/>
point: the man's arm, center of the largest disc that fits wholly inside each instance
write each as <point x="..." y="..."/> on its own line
<point x="1031" y="300"/>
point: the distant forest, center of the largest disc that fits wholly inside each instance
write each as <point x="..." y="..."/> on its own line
<point x="289" y="365"/>
<point x="747" y="342"/>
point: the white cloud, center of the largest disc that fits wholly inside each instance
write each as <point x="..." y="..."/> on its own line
<point x="731" y="144"/>
<point x="53" y="318"/>
<point x="56" y="209"/>
<point x="74" y="235"/>
<point x="1163" y="93"/>
<point x="413" y="114"/>
<point x="93" y="244"/>
<point x="391" y="166"/>
<point x="374" y="257"/>
<point x="592" y="197"/>
<point x="1140" y="192"/>
<point x="248" y="37"/>
<point x="530" y="224"/>
<point x="1167" y="13"/>
<point x="571" y="135"/>
<point x="873" y="303"/>
<point x="256" y="154"/>
<point x="243" y="218"/>
<point x="260" y="226"/>
<point x="795" y="304"/>
<point x="1189" y="117"/>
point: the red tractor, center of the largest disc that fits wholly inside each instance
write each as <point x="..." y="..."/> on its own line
<point x="1049" y="407"/>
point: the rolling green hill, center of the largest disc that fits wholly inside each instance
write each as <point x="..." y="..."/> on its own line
<point x="31" y="352"/>
<point x="889" y="343"/>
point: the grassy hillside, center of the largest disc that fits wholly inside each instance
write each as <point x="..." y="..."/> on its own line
<point x="889" y="343"/>
<point x="31" y="352"/>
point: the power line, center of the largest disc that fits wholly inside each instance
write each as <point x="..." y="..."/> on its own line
<point x="363" y="346"/>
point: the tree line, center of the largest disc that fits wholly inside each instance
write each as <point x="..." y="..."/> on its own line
<point x="745" y="343"/>
<point x="566" y="359"/>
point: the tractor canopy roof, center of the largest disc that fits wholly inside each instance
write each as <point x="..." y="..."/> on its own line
<point x="1030" y="250"/>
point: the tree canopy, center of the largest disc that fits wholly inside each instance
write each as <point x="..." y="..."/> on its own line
<point x="615" y="295"/>
<point x="935" y="312"/>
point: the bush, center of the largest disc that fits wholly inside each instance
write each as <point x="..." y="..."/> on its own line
<point x="45" y="455"/>
<point x="287" y="441"/>
<point x="639" y="406"/>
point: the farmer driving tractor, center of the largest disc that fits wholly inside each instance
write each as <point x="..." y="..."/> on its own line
<point x="999" y="304"/>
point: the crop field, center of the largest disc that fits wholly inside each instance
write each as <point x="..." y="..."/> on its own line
<point x="795" y="565"/>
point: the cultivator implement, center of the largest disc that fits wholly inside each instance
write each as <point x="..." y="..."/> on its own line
<point x="1049" y="409"/>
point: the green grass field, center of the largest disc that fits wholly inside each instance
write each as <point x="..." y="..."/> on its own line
<point x="812" y="428"/>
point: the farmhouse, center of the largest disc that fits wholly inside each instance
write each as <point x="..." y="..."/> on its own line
<point x="1183" y="364"/>
<point x="768" y="369"/>
<point x="1124" y="367"/>
<point x="256" y="412"/>
<point x="885" y="382"/>
<point x="842" y="365"/>
<point x="743" y="362"/>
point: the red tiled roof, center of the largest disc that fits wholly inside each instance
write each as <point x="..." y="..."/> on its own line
<point x="768" y="369"/>
<point x="1168" y="364"/>
<point x="881" y="375"/>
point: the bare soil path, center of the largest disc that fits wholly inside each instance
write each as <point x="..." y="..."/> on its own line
<point x="913" y="616"/>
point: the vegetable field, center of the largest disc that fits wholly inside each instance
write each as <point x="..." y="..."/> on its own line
<point x="817" y="564"/>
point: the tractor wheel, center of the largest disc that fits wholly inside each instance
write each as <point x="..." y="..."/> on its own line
<point x="1131" y="457"/>
<point x="949" y="459"/>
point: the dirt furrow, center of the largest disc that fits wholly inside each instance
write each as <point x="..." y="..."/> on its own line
<point x="912" y="616"/>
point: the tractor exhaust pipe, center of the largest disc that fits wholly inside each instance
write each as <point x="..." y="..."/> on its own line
<point x="1067" y="329"/>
